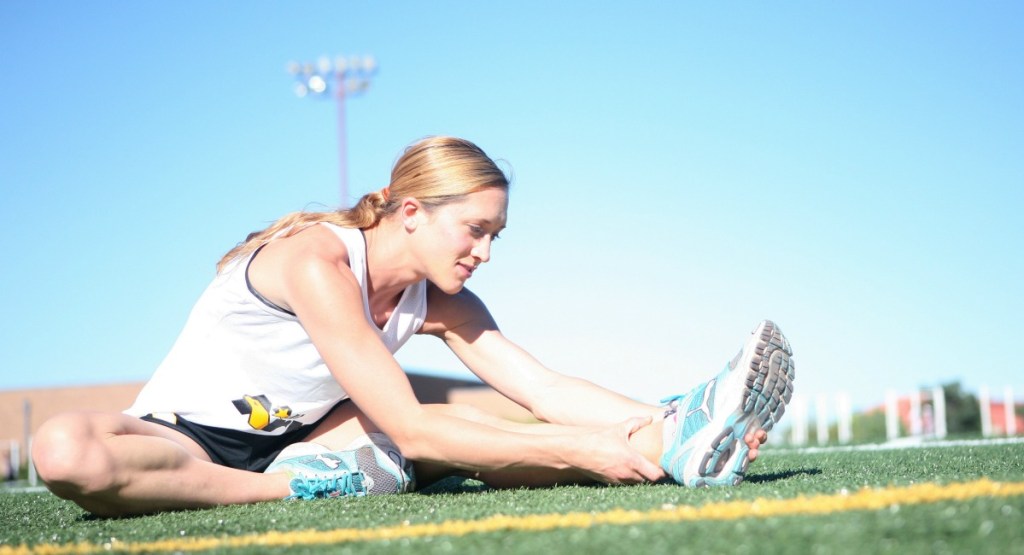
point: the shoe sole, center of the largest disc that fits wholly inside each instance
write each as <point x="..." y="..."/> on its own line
<point x="759" y="386"/>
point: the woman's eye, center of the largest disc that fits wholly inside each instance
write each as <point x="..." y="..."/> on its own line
<point x="478" y="232"/>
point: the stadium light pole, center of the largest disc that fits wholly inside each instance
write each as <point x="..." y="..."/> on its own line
<point x="344" y="77"/>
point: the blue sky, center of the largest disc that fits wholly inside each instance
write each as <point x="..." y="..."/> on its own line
<point x="854" y="171"/>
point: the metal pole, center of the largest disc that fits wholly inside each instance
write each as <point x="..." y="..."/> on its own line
<point x="915" y="413"/>
<point x="351" y="77"/>
<point x="33" y="478"/>
<point x="892" y="427"/>
<point x="342" y="145"/>
<point x="845" y="418"/>
<point x="1010" y="411"/>
<point x="986" y="411"/>
<point x="799" y="419"/>
<point x="26" y="406"/>
<point x="939" y="404"/>
<point x="821" y="419"/>
<point x="15" y="456"/>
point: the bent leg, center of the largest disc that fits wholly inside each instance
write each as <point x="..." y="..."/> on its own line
<point x="113" y="464"/>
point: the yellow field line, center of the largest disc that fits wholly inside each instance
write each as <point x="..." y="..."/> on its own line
<point x="863" y="500"/>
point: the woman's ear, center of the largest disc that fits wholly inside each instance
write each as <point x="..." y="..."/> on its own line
<point x="411" y="211"/>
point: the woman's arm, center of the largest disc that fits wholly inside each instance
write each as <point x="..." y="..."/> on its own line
<point x="465" y="324"/>
<point x="317" y="285"/>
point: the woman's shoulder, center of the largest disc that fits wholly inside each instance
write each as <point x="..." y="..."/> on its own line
<point x="314" y="243"/>
<point x="341" y="232"/>
<point x="450" y="311"/>
<point x="300" y="264"/>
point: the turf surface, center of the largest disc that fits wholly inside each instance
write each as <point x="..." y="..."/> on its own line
<point x="918" y="507"/>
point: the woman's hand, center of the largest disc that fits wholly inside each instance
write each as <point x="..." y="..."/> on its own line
<point x="607" y="456"/>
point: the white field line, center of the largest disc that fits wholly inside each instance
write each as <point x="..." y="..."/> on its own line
<point x="903" y="443"/>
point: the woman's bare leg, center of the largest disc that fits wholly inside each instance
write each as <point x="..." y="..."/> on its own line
<point x="647" y="440"/>
<point x="113" y="464"/>
<point x="347" y="422"/>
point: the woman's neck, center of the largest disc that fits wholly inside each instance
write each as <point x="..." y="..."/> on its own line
<point x="389" y="266"/>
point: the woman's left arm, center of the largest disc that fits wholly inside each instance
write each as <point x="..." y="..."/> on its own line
<point x="466" y="326"/>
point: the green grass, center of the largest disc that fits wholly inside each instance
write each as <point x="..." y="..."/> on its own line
<point x="977" y="524"/>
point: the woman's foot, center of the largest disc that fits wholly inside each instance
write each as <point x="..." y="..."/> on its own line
<point x="714" y="431"/>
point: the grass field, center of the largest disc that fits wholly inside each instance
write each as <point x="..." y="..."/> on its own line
<point x="953" y="498"/>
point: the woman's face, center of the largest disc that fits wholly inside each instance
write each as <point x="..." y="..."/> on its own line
<point x="456" y="237"/>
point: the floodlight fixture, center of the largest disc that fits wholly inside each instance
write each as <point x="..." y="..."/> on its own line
<point x="346" y="76"/>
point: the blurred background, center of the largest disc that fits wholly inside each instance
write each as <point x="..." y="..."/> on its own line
<point x="681" y="171"/>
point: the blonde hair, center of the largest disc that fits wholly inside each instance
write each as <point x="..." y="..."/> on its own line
<point x="436" y="171"/>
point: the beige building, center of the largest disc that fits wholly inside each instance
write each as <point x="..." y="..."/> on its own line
<point x="38" y="405"/>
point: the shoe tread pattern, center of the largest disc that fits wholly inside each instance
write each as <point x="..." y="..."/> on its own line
<point x="768" y="387"/>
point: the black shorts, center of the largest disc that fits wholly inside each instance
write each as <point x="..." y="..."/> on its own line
<point x="235" y="448"/>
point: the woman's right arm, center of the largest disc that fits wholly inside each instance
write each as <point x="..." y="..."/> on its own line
<point x="312" y="278"/>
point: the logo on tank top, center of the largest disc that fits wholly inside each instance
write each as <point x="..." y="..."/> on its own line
<point x="264" y="416"/>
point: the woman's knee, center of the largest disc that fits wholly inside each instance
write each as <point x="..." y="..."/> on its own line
<point x="69" y="454"/>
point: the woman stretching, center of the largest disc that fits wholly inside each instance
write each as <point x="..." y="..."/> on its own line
<point x="283" y="382"/>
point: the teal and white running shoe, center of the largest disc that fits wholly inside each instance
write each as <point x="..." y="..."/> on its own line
<point x="371" y="466"/>
<point x="707" y="448"/>
<point x="322" y="475"/>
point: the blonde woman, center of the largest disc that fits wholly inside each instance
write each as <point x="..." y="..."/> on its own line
<point x="283" y="382"/>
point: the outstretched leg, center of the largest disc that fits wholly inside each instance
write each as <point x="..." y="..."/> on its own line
<point x="647" y="440"/>
<point x="347" y="423"/>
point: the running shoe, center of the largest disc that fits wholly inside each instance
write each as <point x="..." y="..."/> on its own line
<point x="358" y="471"/>
<point x="323" y="475"/>
<point x="707" y="447"/>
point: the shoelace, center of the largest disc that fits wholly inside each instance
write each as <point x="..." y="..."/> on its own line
<point x="671" y="404"/>
<point x="673" y="399"/>
<point x="316" y="486"/>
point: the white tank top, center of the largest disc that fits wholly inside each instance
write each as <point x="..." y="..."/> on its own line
<point x="245" y="364"/>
